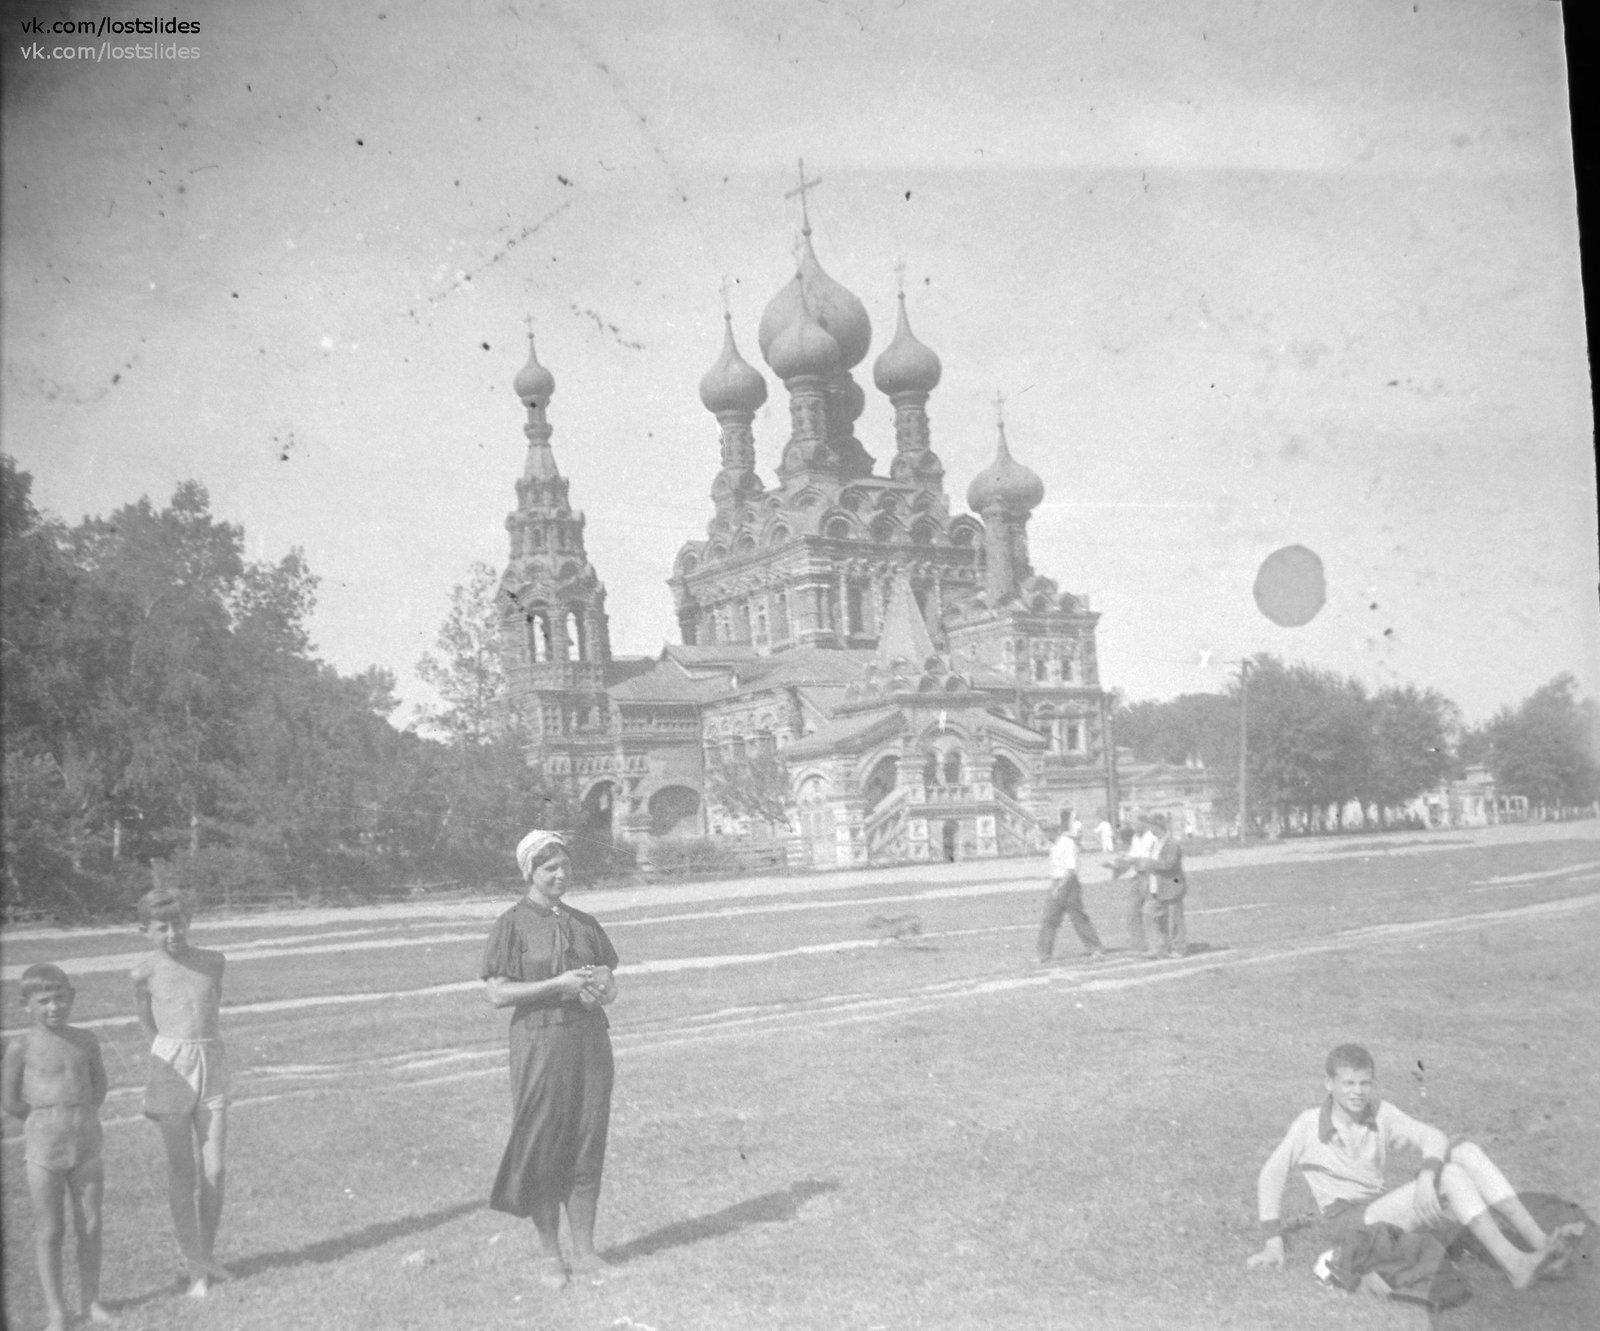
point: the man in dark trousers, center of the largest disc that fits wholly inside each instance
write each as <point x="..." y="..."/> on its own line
<point x="1162" y="866"/>
<point x="1065" y="897"/>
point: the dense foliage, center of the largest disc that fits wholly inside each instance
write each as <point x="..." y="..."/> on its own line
<point x="1320" y="745"/>
<point x="164" y="719"/>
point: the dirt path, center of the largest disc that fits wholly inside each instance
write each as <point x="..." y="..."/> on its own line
<point x="661" y="895"/>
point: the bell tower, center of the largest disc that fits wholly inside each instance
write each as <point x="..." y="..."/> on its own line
<point x="555" y="639"/>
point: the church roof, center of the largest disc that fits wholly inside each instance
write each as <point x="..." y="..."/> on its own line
<point x="847" y="734"/>
<point x="905" y="635"/>
<point x="665" y="683"/>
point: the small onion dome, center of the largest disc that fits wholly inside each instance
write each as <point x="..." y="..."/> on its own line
<point x="803" y="348"/>
<point x="906" y="366"/>
<point x="731" y="384"/>
<point x="534" y="384"/>
<point x="1006" y="480"/>
<point x="842" y="316"/>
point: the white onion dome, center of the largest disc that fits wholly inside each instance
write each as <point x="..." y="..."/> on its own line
<point x="803" y="348"/>
<point x="1006" y="480"/>
<point x="906" y="366"/>
<point x="732" y="384"/>
<point x="841" y="315"/>
<point x="534" y="384"/>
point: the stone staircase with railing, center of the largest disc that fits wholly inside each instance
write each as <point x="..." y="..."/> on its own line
<point x="884" y="828"/>
<point x="1017" y="831"/>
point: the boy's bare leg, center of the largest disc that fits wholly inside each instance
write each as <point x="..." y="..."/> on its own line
<point x="546" y="1216"/>
<point x="1521" y="1267"/>
<point x="177" y="1135"/>
<point x="48" y="1193"/>
<point x="88" y="1187"/>
<point x="1460" y="1185"/>
<point x="211" y="1132"/>
<point x="1494" y="1188"/>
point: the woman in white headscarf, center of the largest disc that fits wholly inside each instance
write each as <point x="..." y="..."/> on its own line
<point x="553" y="965"/>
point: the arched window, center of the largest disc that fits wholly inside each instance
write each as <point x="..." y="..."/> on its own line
<point x="538" y="637"/>
<point x="853" y="603"/>
<point x="575" y="638"/>
<point x="780" y="617"/>
<point x="952" y="768"/>
<point x="761" y="623"/>
<point x="883" y="529"/>
<point x="838" y="529"/>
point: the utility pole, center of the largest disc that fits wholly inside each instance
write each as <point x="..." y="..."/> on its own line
<point x="1244" y="746"/>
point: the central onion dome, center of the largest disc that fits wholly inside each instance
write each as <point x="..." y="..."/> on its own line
<point x="534" y="384"/>
<point x="1007" y="481"/>
<point x="803" y="348"/>
<point x="906" y="366"/>
<point x="840" y="314"/>
<point x="732" y="384"/>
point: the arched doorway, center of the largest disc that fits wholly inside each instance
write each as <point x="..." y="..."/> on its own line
<point x="817" y="822"/>
<point x="598" y="810"/>
<point x="949" y="837"/>
<point x="674" y="812"/>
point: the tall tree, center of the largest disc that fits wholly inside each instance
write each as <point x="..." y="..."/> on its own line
<point x="467" y="674"/>
<point x="1413" y="733"/>
<point x="1543" y="748"/>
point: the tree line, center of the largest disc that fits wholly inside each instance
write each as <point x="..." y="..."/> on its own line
<point x="165" y="719"/>
<point x="1321" y="747"/>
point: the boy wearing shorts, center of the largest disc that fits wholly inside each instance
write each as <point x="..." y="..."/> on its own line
<point x="178" y="991"/>
<point x="54" y="1080"/>
<point x="1340" y="1147"/>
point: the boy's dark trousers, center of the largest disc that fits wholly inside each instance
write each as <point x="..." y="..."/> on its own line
<point x="1065" y="898"/>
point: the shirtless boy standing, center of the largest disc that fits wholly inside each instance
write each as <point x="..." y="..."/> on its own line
<point x="178" y="990"/>
<point x="54" y="1080"/>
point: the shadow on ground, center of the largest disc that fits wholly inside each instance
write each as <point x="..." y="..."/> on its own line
<point x="322" y="1250"/>
<point x="1570" y="1303"/>
<point x="768" y="1209"/>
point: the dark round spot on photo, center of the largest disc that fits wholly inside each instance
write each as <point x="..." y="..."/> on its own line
<point x="1290" y="587"/>
<point x="485" y="346"/>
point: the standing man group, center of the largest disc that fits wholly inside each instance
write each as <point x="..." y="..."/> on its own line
<point x="1156" y="857"/>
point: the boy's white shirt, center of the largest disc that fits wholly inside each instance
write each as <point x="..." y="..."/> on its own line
<point x="1346" y="1164"/>
<point x="1064" y="856"/>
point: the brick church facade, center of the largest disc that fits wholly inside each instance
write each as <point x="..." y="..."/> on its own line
<point x="863" y="677"/>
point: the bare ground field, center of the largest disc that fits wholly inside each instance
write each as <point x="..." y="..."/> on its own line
<point x="818" y="1124"/>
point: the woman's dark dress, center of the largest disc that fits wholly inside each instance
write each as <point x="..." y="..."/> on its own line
<point x="561" y="1066"/>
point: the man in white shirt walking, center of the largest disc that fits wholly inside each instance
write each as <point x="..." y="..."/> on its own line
<point x="1065" y="897"/>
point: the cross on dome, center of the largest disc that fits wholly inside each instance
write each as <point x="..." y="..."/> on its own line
<point x="800" y="189"/>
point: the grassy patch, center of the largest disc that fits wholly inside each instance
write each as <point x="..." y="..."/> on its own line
<point x="914" y="1135"/>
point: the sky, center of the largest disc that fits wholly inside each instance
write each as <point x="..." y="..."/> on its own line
<point x="1247" y="275"/>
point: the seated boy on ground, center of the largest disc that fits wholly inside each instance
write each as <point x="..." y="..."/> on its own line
<point x="177" y="990"/>
<point x="55" y="1082"/>
<point x="1340" y="1148"/>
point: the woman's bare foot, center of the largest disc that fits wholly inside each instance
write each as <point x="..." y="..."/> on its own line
<point x="97" y="1312"/>
<point x="200" y="1286"/>
<point x="591" y="1266"/>
<point x="552" y="1274"/>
